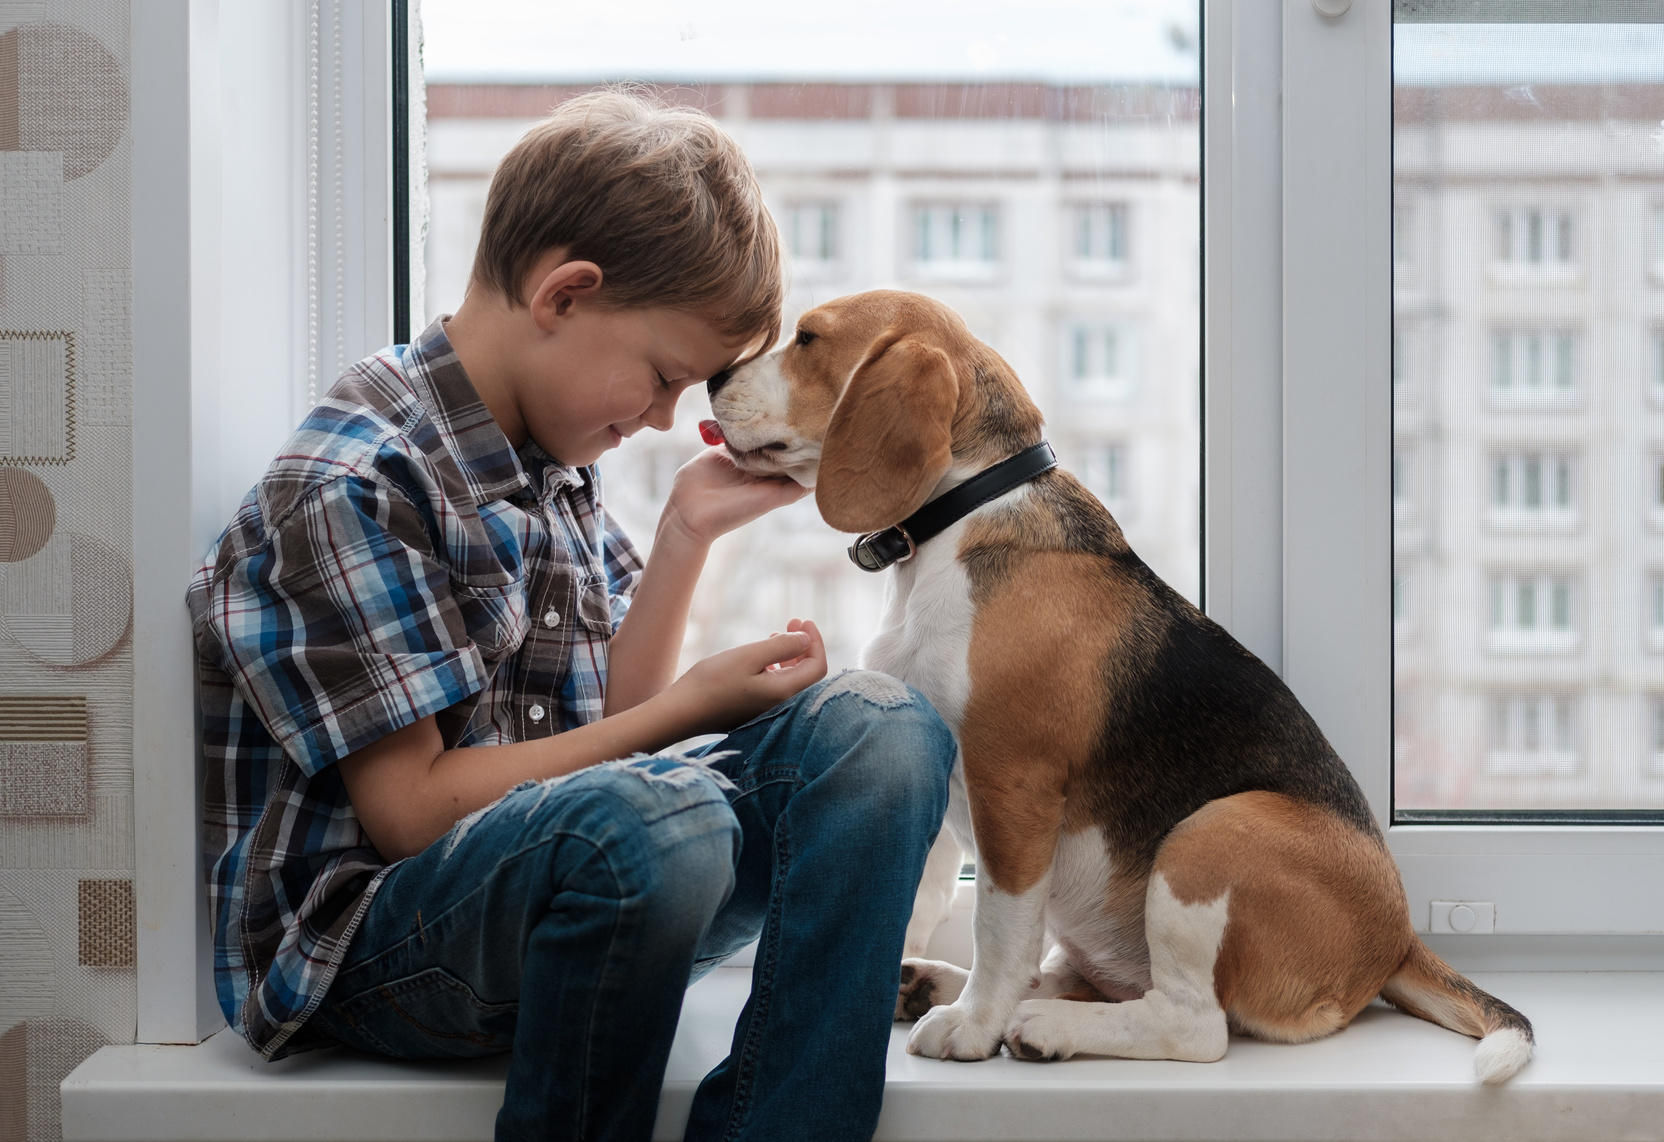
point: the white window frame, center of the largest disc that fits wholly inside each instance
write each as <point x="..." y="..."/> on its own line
<point x="219" y="117"/>
<point x="1298" y="452"/>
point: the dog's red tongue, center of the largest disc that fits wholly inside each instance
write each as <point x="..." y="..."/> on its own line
<point x="710" y="432"/>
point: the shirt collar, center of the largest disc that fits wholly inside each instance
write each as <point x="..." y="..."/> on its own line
<point x="542" y="468"/>
<point x="488" y="462"/>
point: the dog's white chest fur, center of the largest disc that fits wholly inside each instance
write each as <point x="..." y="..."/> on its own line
<point x="925" y="640"/>
<point x="925" y="636"/>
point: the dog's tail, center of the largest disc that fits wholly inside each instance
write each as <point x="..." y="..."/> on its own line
<point x="1427" y="987"/>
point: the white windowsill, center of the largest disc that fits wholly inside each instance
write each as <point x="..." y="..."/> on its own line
<point x="1598" y="1075"/>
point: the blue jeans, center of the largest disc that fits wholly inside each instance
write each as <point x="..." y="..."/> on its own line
<point x="565" y="922"/>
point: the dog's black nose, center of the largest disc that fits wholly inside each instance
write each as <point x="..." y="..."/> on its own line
<point x="716" y="382"/>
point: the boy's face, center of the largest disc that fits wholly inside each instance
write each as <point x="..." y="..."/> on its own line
<point x="609" y="373"/>
<point x="602" y="374"/>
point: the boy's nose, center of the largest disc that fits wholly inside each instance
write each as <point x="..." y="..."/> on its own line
<point x="661" y="414"/>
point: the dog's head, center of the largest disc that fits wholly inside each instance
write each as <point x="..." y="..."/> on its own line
<point x="871" y="403"/>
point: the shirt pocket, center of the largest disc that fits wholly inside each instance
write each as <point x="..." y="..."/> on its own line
<point x="595" y="606"/>
<point x="495" y="617"/>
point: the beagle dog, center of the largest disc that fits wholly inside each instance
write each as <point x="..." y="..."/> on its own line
<point x="1143" y="796"/>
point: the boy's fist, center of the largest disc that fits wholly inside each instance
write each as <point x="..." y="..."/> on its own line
<point x="734" y="686"/>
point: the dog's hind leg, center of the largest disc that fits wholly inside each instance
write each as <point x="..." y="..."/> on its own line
<point x="929" y="983"/>
<point x="926" y="984"/>
<point x="934" y="901"/>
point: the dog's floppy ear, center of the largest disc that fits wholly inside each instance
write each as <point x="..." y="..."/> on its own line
<point x="891" y="436"/>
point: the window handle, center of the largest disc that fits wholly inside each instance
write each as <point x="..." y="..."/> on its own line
<point x="1332" y="8"/>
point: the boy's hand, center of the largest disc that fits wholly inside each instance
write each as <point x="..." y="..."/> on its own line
<point x="734" y="686"/>
<point x="712" y="497"/>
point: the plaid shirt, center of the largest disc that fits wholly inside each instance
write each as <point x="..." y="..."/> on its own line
<point x="398" y="559"/>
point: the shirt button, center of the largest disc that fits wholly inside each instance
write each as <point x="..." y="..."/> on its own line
<point x="536" y="713"/>
<point x="551" y="618"/>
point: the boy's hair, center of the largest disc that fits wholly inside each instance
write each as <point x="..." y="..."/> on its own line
<point x="660" y="197"/>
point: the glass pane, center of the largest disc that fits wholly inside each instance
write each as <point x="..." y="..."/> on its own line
<point x="1036" y="167"/>
<point x="1528" y="213"/>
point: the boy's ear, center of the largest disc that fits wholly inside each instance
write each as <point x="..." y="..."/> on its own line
<point x="891" y="436"/>
<point x="561" y="284"/>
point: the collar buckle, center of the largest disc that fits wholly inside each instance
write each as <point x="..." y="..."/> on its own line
<point x="877" y="550"/>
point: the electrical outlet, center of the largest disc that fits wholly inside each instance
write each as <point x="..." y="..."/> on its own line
<point x="1463" y="917"/>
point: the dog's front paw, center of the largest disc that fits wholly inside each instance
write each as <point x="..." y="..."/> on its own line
<point x="954" y="1032"/>
<point x="926" y="984"/>
<point x="1045" y="1029"/>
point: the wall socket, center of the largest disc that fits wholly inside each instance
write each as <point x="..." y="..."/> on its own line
<point x="1463" y="917"/>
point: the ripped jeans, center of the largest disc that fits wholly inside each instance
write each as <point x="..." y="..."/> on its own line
<point x="565" y="922"/>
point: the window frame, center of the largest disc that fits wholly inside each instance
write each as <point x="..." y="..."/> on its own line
<point x="1336" y="320"/>
<point x="208" y="413"/>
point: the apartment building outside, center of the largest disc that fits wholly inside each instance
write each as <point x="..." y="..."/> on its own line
<point x="1528" y="462"/>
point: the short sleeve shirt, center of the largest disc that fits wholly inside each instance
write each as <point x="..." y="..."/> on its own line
<point x="398" y="559"/>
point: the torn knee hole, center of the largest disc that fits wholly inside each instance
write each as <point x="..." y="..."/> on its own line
<point x="874" y="688"/>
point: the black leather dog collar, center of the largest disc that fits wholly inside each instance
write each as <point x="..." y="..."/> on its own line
<point x="877" y="550"/>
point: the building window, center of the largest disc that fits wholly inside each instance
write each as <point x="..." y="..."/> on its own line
<point x="1654" y="474"/>
<point x="1534" y="367"/>
<point x="1534" y="237"/>
<point x="1655" y="372"/>
<point x="1655" y="763"/>
<point x="956" y="239"/>
<point x="1655" y="609"/>
<point x="1099" y="359"/>
<point x="1400" y="237"/>
<point x="1098" y="239"/>
<point x="1532" y="735"/>
<point x="1400" y="601"/>
<point x="1405" y="492"/>
<point x="1103" y="469"/>
<point x="811" y="234"/>
<point x="1531" y="489"/>
<point x="1532" y="612"/>
<point x="1658" y="241"/>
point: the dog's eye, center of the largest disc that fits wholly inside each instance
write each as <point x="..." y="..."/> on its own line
<point x="804" y="337"/>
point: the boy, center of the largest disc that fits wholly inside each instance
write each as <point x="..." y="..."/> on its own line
<point x="423" y="642"/>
